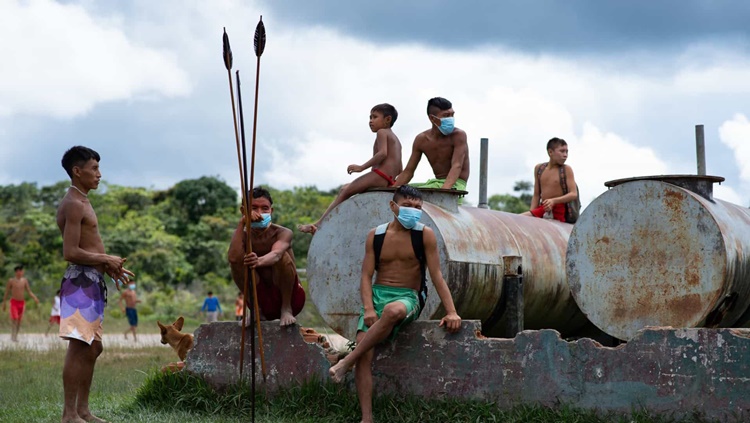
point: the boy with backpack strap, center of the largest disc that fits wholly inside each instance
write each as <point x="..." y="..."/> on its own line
<point x="401" y="251"/>
<point x="555" y="190"/>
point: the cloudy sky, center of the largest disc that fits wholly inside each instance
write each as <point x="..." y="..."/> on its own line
<point x="143" y="83"/>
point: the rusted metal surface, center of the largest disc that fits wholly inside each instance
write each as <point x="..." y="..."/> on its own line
<point x="700" y="184"/>
<point x="471" y="245"/>
<point x="650" y="253"/>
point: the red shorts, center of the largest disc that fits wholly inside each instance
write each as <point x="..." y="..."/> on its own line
<point x="54" y="319"/>
<point x="558" y="212"/>
<point x="269" y="299"/>
<point x="16" y="309"/>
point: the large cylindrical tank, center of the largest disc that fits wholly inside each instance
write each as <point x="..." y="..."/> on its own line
<point x="471" y="244"/>
<point x="661" y="251"/>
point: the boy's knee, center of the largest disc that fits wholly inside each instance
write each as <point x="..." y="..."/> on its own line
<point x="394" y="312"/>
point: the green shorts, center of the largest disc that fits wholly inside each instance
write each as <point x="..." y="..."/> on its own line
<point x="460" y="184"/>
<point x="383" y="295"/>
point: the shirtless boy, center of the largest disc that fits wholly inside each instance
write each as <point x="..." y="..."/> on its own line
<point x="280" y="294"/>
<point x="392" y="301"/>
<point x="17" y="288"/>
<point x="83" y="292"/>
<point x="131" y="299"/>
<point x="385" y="161"/>
<point x="548" y="199"/>
<point x="445" y="147"/>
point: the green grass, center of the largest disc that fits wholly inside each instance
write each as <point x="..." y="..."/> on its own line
<point x="128" y="388"/>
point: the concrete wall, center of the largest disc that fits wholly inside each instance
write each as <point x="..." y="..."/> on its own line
<point x="677" y="371"/>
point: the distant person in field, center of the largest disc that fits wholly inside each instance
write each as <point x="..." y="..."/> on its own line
<point x="131" y="299"/>
<point x="239" y="306"/>
<point x="446" y="149"/>
<point x="399" y="291"/>
<point x="83" y="292"/>
<point x="17" y="288"/>
<point x="385" y="161"/>
<point x="54" y="314"/>
<point x="548" y="200"/>
<point x="280" y="293"/>
<point x="211" y="308"/>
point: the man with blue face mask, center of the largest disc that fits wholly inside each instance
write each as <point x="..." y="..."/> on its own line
<point x="401" y="251"/>
<point x="280" y="294"/>
<point x="445" y="147"/>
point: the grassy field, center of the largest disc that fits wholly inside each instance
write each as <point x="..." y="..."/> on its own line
<point x="127" y="388"/>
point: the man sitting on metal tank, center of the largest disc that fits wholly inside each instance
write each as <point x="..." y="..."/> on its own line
<point x="400" y="251"/>
<point x="445" y="147"/>
<point x="280" y="294"/>
<point x="555" y="190"/>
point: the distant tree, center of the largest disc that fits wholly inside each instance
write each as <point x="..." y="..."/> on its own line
<point x="513" y="203"/>
<point x="202" y="197"/>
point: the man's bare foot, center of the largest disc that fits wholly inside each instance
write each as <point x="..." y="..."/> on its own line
<point x="72" y="419"/>
<point x="339" y="371"/>
<point x="308" y="229"/>
<point x="287" y="318"/>
<point x="88" y="417"/>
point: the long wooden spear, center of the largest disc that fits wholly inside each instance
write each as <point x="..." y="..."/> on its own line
<point x="260" y="45"/>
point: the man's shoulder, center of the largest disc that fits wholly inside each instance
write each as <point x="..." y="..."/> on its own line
<point x="280" y="229"/>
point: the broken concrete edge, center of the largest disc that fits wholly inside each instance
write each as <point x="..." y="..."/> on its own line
<point x="666" y="371"/>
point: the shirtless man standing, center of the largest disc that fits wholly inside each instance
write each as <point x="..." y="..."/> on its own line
<point x="17" y="288"/>
<point x="83" y="292"/>
<point x="445" y="147"/>
<point x="393" y="300"/>
<point x="549" y="200"/>
<point x="385" y="161"/>
<point x="131" y="299"/>
<point x="280" y="294"/>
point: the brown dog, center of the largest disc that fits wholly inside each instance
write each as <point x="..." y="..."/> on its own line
<point x="181" y="342"/>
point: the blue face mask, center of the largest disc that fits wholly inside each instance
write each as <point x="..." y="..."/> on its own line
<point x="409" y="216"/>
<point x="446" y="125"/>
<point x="263" y="223"/>
<point x="132" y="286"/>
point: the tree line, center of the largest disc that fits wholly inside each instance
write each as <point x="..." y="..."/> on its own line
<point x="172" y="238"/>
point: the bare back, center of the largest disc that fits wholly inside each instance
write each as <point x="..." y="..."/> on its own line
<point x="440" y="150"/>
<point x="17" y="288"/>
<point x="398" y="265"/>
<point x="74" y="214"/>
<point x="392" y="164"/>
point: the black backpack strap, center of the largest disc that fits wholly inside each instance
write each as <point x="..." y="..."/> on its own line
<point x="563" y="180"/>
<point x="377" y="242"/>
<point x="417" y="243"/>
<point x="539" y="170"/>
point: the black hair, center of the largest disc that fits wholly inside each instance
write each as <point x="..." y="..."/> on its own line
<point x="17" y="268"/>
<point x="438" y="103"/>
<point x="259" y="192"/>
<point x="406" y="191"/>
<point x="77" y="156"/>
<point x="387" y="110"/>
<point x="555" y="142"/>
<point x="58" y="292"/>
<point x="210" y="293"/>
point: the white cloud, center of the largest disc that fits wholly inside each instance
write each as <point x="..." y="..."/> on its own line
<point x="60" y="61"/>
<point x="735" y="134"/>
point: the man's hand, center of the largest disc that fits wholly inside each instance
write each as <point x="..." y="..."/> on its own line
<point x="354" y="169"/>
<point x="548" y="204"/>
<point x="255" y="216"/>
<point x="370" y="317"/>
<point x="252" y="260"/>
<point x="451" y="322"/>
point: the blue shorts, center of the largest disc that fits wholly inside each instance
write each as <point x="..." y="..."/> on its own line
<point x="132" y="316"/>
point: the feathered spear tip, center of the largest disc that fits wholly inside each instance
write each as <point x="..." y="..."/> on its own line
<point x="260" y="38"/>
<point x="227" y="51"/>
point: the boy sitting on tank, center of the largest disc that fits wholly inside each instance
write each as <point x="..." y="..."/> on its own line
<point x="554" y="184"/>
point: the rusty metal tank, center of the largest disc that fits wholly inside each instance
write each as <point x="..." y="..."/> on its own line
<point x="661" y="251"/>
<point x="471" y="243"/>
